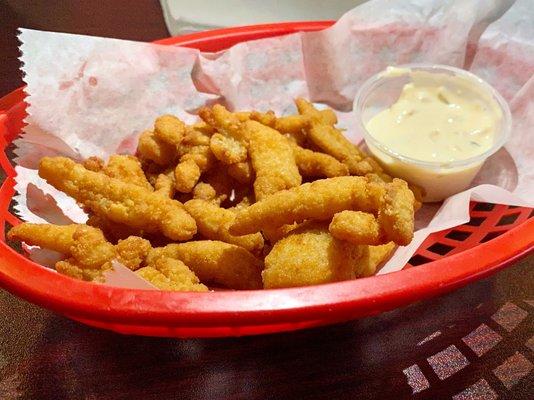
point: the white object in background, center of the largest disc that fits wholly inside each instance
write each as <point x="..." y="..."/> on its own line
<point x="183" y="16"/>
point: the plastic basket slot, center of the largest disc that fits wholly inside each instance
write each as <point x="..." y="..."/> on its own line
<point x="476" y="221"/>
<point x="491" y="235"/>
<point x="484" y="207"/>
<point x="440" y="248"/>
<point x="418" y="260"/>
<point x="508" y="219"/>
<point x="458" y="235"/>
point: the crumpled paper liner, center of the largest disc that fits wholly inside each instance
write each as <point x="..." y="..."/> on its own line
<point x="94" y="96"/>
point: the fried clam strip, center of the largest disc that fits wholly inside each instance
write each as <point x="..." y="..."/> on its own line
<point x="213" y="223"/>
<point x="242" y="172"/>
<point x="309" y="255"/>
<point x="372" y="257"/>
<point x="169" y="129"/>
<point x="321" y="199"/>
<point x="164" y="185"/>
<point x="357" y="227"/>
<point x="171" y="274"/>
<point x="87" y="250"/>
<point x="331" y="141"/>
<point x="215" y="262"/>
<point x="318" y="200"/>
<point x="272" y="159"/>
<point x="149" y="148"/>
<point x="314" y="164"/>
<point x="118" y="201"/>
<point x="227" y="150"/>
<point x="127" y="169"/>
<point x="225" y="122"/>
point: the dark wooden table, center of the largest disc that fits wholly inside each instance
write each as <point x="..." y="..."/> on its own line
<point x="478" y="340"/>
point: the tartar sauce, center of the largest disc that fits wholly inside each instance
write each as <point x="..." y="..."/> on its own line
<point x="434" y="123"/>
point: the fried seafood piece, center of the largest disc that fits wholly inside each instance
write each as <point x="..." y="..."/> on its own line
<point x="225" y="122"/>
<point x="47" y="236"/>
<point x="356" y="227"/>
<point x="112" y="231"/>
<point x="321" y="199"/>
<point x="275" y="234"/>
<point x="170" y="130"/>
<point x="164" y="185"/>
<point x="396" y="215"/>
<point x="215" y="262"/>
<point x="186" y="175"/>
<point x="227" y="150"/>
<point x="315" y="164"/>
<point x="87" y="250"/>
<point x="307" y="256"/>
<point x="242" y="172"/>
<point x="171" y="274"/>
<point x="272" y="159"/>
<point x="95" y="164"/>
<point x="152" y="149"/>
<point x="127" y="169"/>
<point x="204" y="191"/>
<point x="213" y="223"/>
<point x="372" y="257"/>
<point x="318" y="200"/>
<point x="117" y="201"/>
<point x="331" y="141"/>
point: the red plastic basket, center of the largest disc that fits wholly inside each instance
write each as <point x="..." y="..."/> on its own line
<point x="496" y="236"/>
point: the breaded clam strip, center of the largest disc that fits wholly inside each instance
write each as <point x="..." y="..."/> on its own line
<point x="118" y="201"/>
<point x="215" y="262"/>
<point x="127" y="169"/>
<point x="372" y="257"/>
<point x="332" y="141"/>
<point x="47" y="236"/>
<point x="321" y="199"/>
<point x="396" y="216"/>
<point x="224" y="121"/>
<point x="318" y="200"/>
<point x="169" y="129"/>
<point x="272" y="159"/>
<point x="356" y="227"/>
<point x="213" y="223"/>
<point x="171" y="274"/>
<point x="314" y="164"/>
<point x="155" y="150"/>
<point x="309" y="255"/>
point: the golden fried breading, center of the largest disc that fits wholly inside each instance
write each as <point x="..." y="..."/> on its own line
<point x="213" y="222"/>
<point x="113" y="231"/>
<point x="118" y="201"/>
<point x="309" y="256"/>
<point x="195" y="137"/>
<point x="356" y="227"/>
<point x="47" y="236"/>
<point x="132" y="251"/>
<point x="242" y="172"/>
<point x="204" y="191"/>
<point x="186" y="175"/>
<point x="267" y="118"/>
<point x="164" y="185"/>
<point x="171" y="274"/>
<point x="90" y="248"/>
<point x="275" y="234"/>
<point x="314" y="164"/>
<point x="396" y="216"/>
<point x="151" y="149"/>
<point x="331" y="141"/>
<point x="169" y="129"/>
<point x="227" y="123"/>
<point x="272" y="159"/>
<point x="95" y="164"/>
<point x="318" y="200"/>
<point x="202" y="127"/>
<point x="216" y="262"/>
<point x="201" y="155"/>
<point x="372" y="257"/>
<point x="127" y="169"/>
<point x="227" y="149"/>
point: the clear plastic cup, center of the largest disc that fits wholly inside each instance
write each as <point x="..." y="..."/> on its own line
<point x="438" y="180"/>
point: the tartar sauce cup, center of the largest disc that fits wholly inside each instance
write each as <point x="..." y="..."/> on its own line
<point x="438" y="180"/>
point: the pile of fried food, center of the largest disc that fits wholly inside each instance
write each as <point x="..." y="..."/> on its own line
<point x="241" y="200"/>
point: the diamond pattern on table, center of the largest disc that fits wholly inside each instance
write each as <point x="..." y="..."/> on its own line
<point x="480" y="390"/>
<point x="416" y="378"/>
<point x="509" y="316"/>
<point x="482" y="339"/>
<point x="513" y="369"/>
<point x="447" y="362"/>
